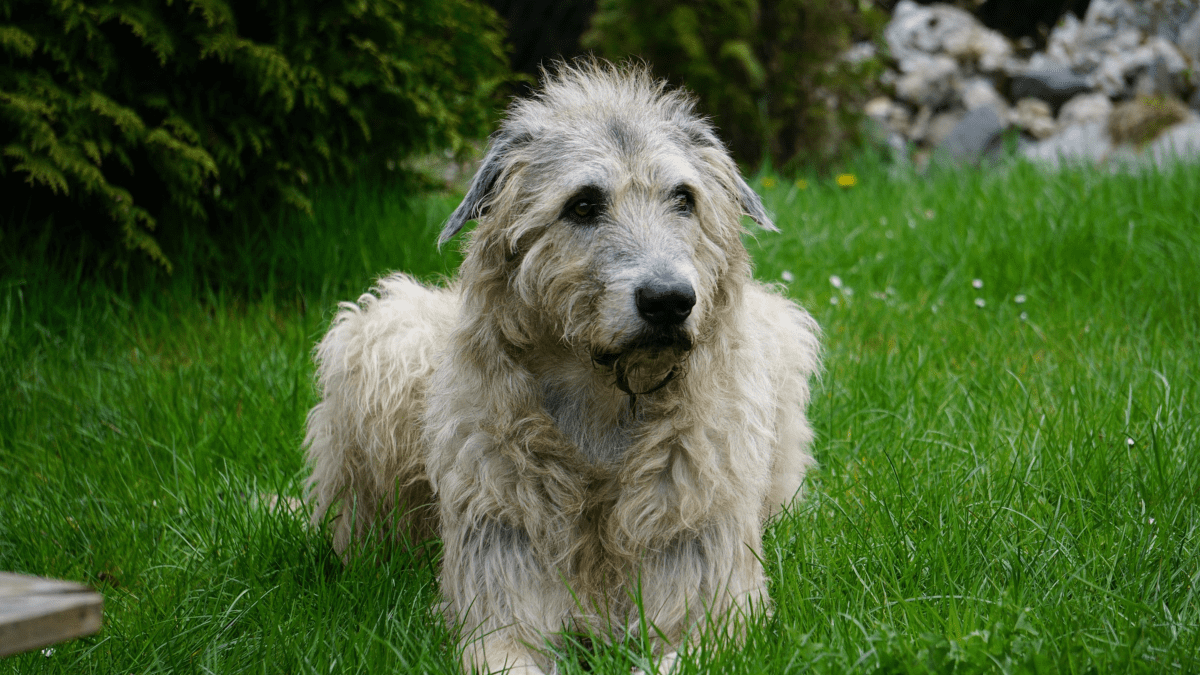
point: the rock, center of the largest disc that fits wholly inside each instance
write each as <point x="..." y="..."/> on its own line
<point x="920" y="126"/>
<point x="1180" y="143"/>
<point x="1120" y="69"/>
<point x="1189" y="41"/>
<point x="889" y="114"/>
<point x="1053" y="84"/>
<point x="1081" y="144"/>
<point x="859" y="52"/>
<point x="979" y="92"/>
<point x="916" y="31"/>
<point x="1034" y="116"/>
<point x="1083" y="109"/>
<point x="1062" y="46"/>
<point x="941" y="125"/>
<point x="1143" y="119"/>
<point x="1159" y="18"/>
<point x="973" y="135"/>
<point x="928" y="81"/>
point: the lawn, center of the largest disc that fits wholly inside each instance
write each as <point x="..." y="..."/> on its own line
<point x="1008" y="431"/>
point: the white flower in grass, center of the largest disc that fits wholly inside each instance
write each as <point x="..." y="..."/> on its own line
<point x="1020" y="299"/>
<point x="788" y="276"/>
<point x="977" y="284"/>
<point x="979" y="302"/>
<point x="835" y="281"/>
<point x="1129" y="442"/>
<point x="1024" y="316"/>
<point x="48" y="652"/>
<point x="833" y="300"/>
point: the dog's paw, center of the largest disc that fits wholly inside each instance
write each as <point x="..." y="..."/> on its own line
<point x="663" y="666"/>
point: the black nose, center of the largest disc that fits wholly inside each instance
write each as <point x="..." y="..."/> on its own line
<point x="665" y="304"/>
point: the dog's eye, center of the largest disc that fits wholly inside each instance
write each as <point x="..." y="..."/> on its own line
<point x="585" y="207"/>
<point x="683" y="202"/>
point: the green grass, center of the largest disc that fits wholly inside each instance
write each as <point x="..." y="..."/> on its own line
<point x="1005" y="488"/>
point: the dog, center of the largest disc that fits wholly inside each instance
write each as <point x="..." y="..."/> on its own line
<point x="604" y="409"/>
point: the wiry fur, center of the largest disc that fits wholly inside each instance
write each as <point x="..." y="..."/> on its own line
<point x="573" y="460"/>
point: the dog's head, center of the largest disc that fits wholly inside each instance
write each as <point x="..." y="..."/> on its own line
<point x="609" y="220"/>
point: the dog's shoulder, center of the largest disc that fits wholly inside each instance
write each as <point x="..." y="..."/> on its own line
<point x="781" y="329"/>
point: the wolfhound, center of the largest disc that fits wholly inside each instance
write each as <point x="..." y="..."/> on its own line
<point x="600" y="414"/>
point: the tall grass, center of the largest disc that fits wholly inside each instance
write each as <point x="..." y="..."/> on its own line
<point x="1008" y="477"/>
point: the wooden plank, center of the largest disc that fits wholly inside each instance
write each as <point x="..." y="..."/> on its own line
<point x="35" y="612"/>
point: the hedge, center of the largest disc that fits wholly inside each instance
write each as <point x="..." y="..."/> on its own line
<point x="767" y="71"/>
<point x="199" y="112"/>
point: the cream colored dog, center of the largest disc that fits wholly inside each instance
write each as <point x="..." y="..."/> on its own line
<point x="601" y="413"/>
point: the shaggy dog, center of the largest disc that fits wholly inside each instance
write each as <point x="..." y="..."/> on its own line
<point x="601" y="413"/>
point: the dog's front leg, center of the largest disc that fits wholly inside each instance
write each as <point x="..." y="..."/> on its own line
<point x="711" y="579"/>
<point x="504" y="598"/>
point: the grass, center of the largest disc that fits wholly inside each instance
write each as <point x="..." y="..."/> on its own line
<point x="1008" y="481"/>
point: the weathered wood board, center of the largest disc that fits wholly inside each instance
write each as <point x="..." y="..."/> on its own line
<point x="36" y="612"/>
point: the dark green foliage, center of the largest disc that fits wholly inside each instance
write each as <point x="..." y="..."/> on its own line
<point x="172" y="113"/>
<point x="766" y="70"/>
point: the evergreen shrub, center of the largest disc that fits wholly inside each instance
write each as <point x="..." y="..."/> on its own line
<point x="768" y="72"/>
<point x="135" y="118"/>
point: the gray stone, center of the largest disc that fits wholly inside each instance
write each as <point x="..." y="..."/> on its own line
<point x="973" y="135"/>
<point x="1189" y="41"/>
<point x="1034" y="116"/>
<point x="1180" y="143"/>
<point x="889" y="114"/>
<point x="940" y="126"/>
<point x="1126" y="71"/>
<point x="1081" y="144"/>
<point x="917" y="30"/>
<point x="1054" y="85"/>
<point x="978" y="92"/>
<point x="1160" y="18"/>
<point x="1085" y="108"/>
<point x="928" y="80"/>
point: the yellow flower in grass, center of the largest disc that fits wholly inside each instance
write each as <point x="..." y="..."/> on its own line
<point x="847" y="180"/>
<point x="768" y="183"/>
<point x="801" y="184"/>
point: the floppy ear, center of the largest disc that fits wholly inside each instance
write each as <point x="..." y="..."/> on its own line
<point x="752" y="205"/>
<point x="702" y="136"/>
<point x="484" y="184"/>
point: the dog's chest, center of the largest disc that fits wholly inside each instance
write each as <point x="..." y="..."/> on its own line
<point x="600" y="429"/>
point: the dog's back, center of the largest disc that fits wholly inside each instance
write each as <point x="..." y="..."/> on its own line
<point x="364" y="436"/>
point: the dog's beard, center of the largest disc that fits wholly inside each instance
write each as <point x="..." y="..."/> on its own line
<point x="648" y="362"/>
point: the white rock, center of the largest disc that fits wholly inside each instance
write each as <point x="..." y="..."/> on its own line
<point x="1189" y="41"/>
<point x="1062" y="45"/>
<point x="1180" y="143"/>
<point x="1034" y="115"/>
<point x="917" y="30"/>
<point x="1085" y="108"/>
<point x="928" y="80"/>
<point x="862" y="51"/>
<point x="1080" y="144"/>
<point x="941" y="125"/>
<point x="979" y="92"/>
<point x="892" y="115"/>
<point x="1120" y="67"/>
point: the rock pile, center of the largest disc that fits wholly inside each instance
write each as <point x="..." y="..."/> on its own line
<point x="1105" y="88"/>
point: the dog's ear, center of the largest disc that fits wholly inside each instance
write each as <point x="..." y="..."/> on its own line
<point x="752" y="205"/>
<point x="485" y="183"/>
<point x="701" y="135"/>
